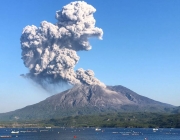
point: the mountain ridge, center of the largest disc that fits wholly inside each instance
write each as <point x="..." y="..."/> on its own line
<point x="87" y="100"/>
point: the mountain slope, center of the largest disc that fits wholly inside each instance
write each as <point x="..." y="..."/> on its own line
<point x="141" y="101"/>
<point x="83" y="99"/>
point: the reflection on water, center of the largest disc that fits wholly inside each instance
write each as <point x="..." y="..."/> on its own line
<point x="89" y="134"/>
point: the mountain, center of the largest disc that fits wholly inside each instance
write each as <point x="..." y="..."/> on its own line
<point x="85" y="100"/>
<point x="176" y="110"/>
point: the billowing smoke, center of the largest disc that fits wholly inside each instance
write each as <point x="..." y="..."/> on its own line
<point x="49" y="51"/>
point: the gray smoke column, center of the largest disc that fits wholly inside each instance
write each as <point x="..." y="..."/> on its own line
<point x="49" y="51"/>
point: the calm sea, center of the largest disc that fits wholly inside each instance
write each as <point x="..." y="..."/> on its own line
<point x="89" y="134"/>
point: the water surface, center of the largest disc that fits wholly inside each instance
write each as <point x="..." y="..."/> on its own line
<point x="90" y="134"/>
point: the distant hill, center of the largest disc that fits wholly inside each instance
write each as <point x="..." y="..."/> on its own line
<point x="176" y="110"/>
<point x="87" y="100"/>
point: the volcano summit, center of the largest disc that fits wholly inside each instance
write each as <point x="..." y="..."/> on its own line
<point x="86" y="100"/>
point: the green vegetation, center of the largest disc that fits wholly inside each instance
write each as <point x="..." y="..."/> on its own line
<point x="136" y="120"/>
<point x="140" y="120"/>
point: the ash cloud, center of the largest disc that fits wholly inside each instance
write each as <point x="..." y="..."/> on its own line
<point x="49" y="51"/>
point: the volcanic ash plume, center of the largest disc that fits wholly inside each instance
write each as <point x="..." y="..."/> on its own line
<point x="49" y="51"/>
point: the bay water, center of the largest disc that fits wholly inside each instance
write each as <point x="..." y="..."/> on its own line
<point x="89" y="134"/>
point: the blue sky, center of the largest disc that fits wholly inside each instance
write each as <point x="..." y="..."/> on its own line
<point x="140" y="48"/>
